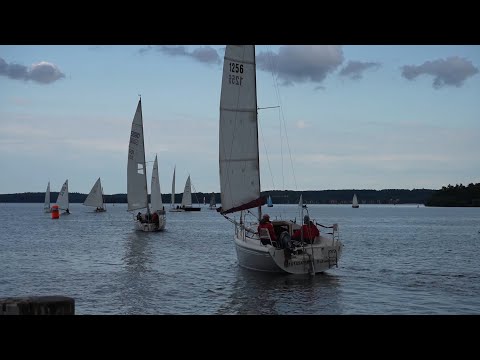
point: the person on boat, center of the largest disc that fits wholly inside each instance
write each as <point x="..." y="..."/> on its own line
<point x="156" y="219"/>
<point x="310" y="231"/>
<point x="67" y="211"/>
<point x="139" y="216"/>
<point x="266" y="224"/>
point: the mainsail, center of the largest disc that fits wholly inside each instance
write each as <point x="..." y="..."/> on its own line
<point x="238" y="147"/>
<point x="62" y="199"/>
<point x="95" y="197"/>
<point x="136" y="171"/>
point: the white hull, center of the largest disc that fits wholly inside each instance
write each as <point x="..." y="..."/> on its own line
<point x="316" y="258"/>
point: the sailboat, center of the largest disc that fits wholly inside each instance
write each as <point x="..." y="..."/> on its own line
<point x="46" y="205"/>
<point x="172" y="198"/>
<point x="213" y="202"/>
<point x="269" y="201"/>
<point x="95" y="197"/>
<point x="240" y="181"/>
<point x="137" y="195"/>
<point x="186" y="204"/>
<point x="156" y="197"/>
<point x="355" y="202"/>
<point x="63" y="200"/>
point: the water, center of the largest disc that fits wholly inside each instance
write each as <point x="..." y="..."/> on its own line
<point x="396" y="260"/>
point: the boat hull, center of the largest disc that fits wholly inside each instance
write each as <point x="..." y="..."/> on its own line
<point x="304" y="260"/>
<point x="150" y="227"/>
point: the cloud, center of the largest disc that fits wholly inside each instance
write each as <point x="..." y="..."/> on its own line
<point x="355" y="69"/>
<point x="42" y="72"/>
<point x="300" y="124"/>
<point x="302" y="63"/>
<point x="204" y="54"/>
<point x="452" y="71"/>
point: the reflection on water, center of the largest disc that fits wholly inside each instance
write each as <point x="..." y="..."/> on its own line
<point x="262" y="293"/>
<point x="137" y="258"/>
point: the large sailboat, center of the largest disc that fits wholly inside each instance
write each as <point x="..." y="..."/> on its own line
<point x="95" y="197"/>
<point x="137" y="193"/>
<point x="240" y="181"/>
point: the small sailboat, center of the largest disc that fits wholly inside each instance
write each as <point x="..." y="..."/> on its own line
<point x="213" y="202"/>
<point x="46" y="205"/>
<point x="240" y="182"/>
<point x="269" y="201"/>
<point x="355" y="202"/>
<point x="186" y="204"/>
<point x="137" y="195"/>
<point x="95" y="197"/>
<point x="63" y="200"/>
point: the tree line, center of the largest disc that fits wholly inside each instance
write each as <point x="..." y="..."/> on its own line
<point x="458" y="195"/>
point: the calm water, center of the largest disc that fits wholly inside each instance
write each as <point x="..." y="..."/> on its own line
<point x="396" y="260"/>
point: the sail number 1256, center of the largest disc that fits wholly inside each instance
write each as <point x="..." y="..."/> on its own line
<point x="235" y="69"/>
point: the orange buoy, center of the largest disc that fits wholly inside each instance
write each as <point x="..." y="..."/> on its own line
<point x="55" y="212"/>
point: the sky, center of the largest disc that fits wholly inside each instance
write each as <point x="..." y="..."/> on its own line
<point x="338" y="116"/>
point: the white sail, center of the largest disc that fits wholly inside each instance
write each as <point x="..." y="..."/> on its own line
<point x="156" y="196"/>
<point x="187" y="194"/>
<point x="355" y="201"/>
<point x="95" y="197"/>
<point x="213" y="202"/>
<point x="46" y="205"/>
<point x="136" y="171"/>
<point x="238" y="147"/>
<point x="62" y="199"/>
<point x="172" y="201"/>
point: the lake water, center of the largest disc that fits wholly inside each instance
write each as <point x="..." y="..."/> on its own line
<point x="399" y="259"/>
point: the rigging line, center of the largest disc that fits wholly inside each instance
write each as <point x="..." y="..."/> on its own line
<point x="275" y="77"/>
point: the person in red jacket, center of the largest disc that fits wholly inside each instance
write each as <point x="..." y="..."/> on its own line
<point x="266" y="224"/>
<point x="310" y="231"/>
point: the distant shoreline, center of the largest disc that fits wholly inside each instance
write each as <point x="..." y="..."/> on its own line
<point x="450" y="196"/>
<point x="389" y="196"/>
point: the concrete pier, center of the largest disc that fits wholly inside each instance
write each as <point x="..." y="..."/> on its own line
<point x="37" y="305"/>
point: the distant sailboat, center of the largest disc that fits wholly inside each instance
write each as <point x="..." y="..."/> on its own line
<point x="172" y="198"/>
<point x="269" y="201"/>
<point x="95" y="197"/>
<point x="62" y="199"/>
<point x="355" y="202"/>
<point x="46" y="205"/>
<point x="187" y="197"/>
<point x="213" y="202"/>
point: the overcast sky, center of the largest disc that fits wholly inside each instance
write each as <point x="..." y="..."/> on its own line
<point x="350" y="117"/>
